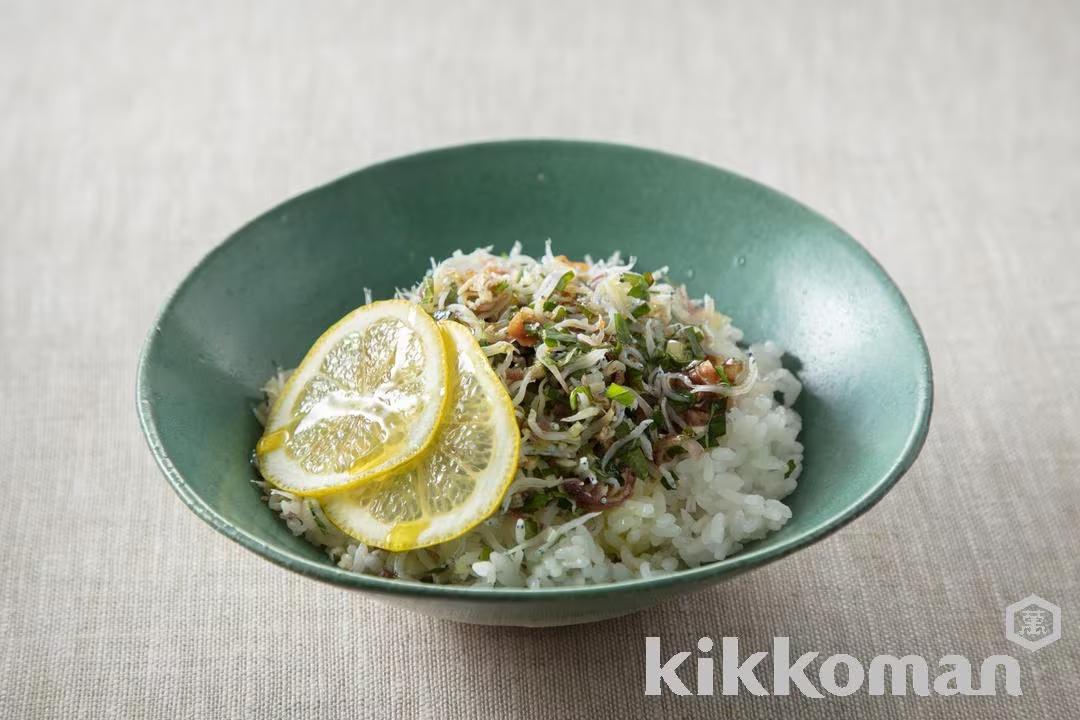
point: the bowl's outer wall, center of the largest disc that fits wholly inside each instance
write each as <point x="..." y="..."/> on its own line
<point x="781" y="271"/>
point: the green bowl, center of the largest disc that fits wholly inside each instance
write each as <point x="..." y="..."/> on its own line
<point x="781" y="271"/>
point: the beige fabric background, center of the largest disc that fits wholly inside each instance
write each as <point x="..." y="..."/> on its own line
<point x="134" y="136"/>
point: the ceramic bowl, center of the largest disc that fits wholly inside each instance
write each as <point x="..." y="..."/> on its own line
<point x="781" y="271"/>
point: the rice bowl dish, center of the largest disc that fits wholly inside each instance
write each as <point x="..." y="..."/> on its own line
<point x="651" y="438"/>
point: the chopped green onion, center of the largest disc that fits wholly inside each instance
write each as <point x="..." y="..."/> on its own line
<point x="722" y="374"/>
<point x="485" y="552"/>
<point x="677" y="351"/>
<point x="549" y="305"/>
<point x="622" y="395"/>
<point x="531" y="528"/>
<point x="790" y="469"/>
<point x="579" y="391"/>
<point x="639" y="286"/>
<point x="694" y="337"/>
<point x="564" y="281"/>
<point x="553" y="337"/>
<point x="622" y="329"/>
<point x="640" y="310"/>
<point x="427" y="293"/>
<point x="500" y="286"/>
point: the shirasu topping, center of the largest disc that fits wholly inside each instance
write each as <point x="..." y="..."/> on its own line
<point x="615" y="374"/>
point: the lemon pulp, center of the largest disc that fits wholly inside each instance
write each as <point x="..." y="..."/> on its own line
<point x="458" y="482"/>
<point x="368" y="397"/>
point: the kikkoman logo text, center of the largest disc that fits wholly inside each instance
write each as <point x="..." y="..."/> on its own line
<point x="836" y="675"/>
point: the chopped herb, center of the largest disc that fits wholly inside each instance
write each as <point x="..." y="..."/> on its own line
<point x="452" y="296"/>
<point x="553" y="337"/>
<point x="635" y="460"/>
<point x="790" y="469"/>
<point x="622" y="329"/>
<point x="640" y="310"/>
<point x="722" y="373"/>
<point x="500" y="286"/>
<point x="531" y="528"/>
<point x="717" y="425"/>
<point x="549" y="305"/>
<point x="564" y="281"/>
<point x="634" y="378"/>
<point x="694" y="337"/>
<point x="553" y="393"/>
<point x="536" y="501"/>
<point x="485" y="552"/>
<point x="427" y="294"/>
<point x="622" y="395"/>
<point x="579" y="391"/>
<point x="682" y="400"/>
<point x="670" y="364"/>
<point x="639" y="287"/>
<point x="677" y="352"/>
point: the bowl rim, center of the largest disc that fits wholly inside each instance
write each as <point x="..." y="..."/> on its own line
<point x="747" y="559"/>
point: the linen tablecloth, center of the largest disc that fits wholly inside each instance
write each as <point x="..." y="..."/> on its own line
<point x="135" y="136"/>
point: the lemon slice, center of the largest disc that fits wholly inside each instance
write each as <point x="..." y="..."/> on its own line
<point x="459" y="482"/>
<point x="368" y="398"/>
